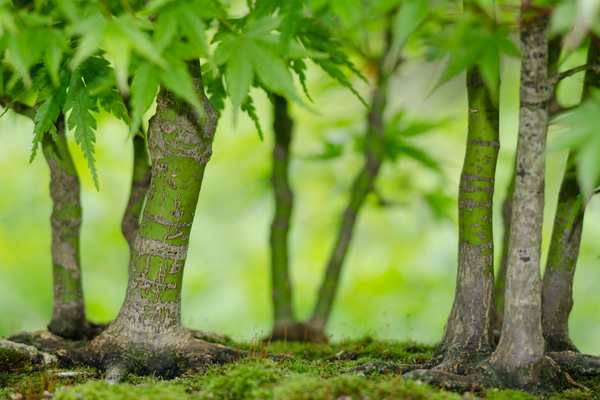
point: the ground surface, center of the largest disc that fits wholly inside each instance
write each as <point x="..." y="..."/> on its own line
<point x="360" y="370"/>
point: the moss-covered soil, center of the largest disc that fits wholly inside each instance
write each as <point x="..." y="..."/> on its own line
<point x="364" y="369"/>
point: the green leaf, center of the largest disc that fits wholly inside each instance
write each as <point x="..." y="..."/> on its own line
<point x="272" y="71"/>
<point x="144" y="87"/>
<point x="238" y="77"/>
<point x="248" y="108"/>
<point x="408" y="18"/>
<point x="92" y="31"/>
<point x="588" y="165"/>
<point x="79" y="107"/>
<point x="47" y="114"/>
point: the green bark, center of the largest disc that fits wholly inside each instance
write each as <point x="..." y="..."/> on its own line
<point x="469" y="327"/>
<point x="361" y="187"/>
<point x="139" y="186"/>
<point x="148" y="328"/>
<point x="284" y="199"/>
<point x="68" y="311"/>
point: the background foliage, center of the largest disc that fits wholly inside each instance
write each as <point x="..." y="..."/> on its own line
<point x="400" y="276"/>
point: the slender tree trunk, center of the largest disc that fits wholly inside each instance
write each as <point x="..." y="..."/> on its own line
<point x="557" y="293"/>
<point x="68" y="311"/>
<point x="519" y="357"/>
<point x="469" y="328"/>
<point x="147" y="335"/>
<point x="139" y="186"/>
<point x="363" y="185"/>
<point x="283" y="312"/>
<point x="500" y="283"/>
<point x="554" y="50"/>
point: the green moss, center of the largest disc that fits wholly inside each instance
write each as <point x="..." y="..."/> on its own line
<point x="102" y="391"/>
<point x="508" y="395"/>
<point x="274" y="372"/>
<point x="11" y="360"/>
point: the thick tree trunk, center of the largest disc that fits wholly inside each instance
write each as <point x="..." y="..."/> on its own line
<point x="469" y="331"/>
<point x="363" y="185"/>
<point x="519" y="357"/>
<point x="283" y="312"/>
<point x="557" y="293"/>
<point x="147" y="336"/>
<point x="68" y="311"/>
<point x="139" y="187"/>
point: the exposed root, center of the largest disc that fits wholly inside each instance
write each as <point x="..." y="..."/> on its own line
<point x="297" y="332"/>
<point x="576" y="363"/>
<point x="211" y="337"/>
<point x="381" y="367"/>
<point x="167" y="355"/>
<point x="447" y="380"/>
<point x="543" y="377"/>
<point x="17" y="355"/>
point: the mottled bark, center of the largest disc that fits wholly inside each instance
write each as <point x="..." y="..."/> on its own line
<point x="139" y="186"/>
<point x="68" y="309"/>
<point x="557" y="293"/>
<point x="361" y="187"/>
<point x="469" y="330"/>
<point x="147" y="336"/>
<point x="554" y="51"/>
<point x="519" y="358"/>
<point x="283" y="313"/>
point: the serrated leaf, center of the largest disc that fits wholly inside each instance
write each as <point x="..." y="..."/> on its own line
<point x="143" y="90"/>
<point x="248" y="108"/>
<point x="79" y="106"/>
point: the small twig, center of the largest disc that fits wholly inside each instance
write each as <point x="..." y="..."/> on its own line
<point x="570" y="72"/>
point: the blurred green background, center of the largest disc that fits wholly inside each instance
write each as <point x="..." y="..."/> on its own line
<point x="399" y="279"/>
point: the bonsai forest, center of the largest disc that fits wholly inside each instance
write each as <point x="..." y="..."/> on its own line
<point x="299" y="199"/>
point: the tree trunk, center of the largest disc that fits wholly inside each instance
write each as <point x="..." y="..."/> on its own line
<point x="469" y="328"/>
<point x="361" y="187"/>
<point x="500" y="282"/>
<point x="283" y="312"/>
<point x="68" y="311"/>
<point x="519" y="357"/>
<point x="139" y="186"/>
<point x="557" y="293"/>
<point x="147" y="336"/>
<point x="554" y="51"/>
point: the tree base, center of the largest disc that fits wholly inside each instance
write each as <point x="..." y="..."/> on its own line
<point x="302" y="332"/>
<point x="559" y="344"/>
<point x="544" y="377"/>
<point x="167" y="355"/>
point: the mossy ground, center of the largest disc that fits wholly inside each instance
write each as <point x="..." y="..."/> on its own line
<point x="297" y="372"/>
